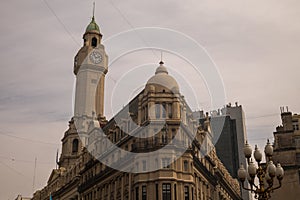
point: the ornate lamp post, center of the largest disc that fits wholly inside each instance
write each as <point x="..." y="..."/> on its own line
<point x="265" y="172"/>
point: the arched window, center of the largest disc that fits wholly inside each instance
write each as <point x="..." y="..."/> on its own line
<point x="75" y="146"/>
<point x="94" y="42"/>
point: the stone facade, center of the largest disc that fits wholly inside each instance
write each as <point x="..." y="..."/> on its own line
<point x="183" y="162"/>
<point x="287" y="153"/>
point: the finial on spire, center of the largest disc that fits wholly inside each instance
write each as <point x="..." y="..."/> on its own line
<point x="161" y="60"/>
<point x="93" y="10"/>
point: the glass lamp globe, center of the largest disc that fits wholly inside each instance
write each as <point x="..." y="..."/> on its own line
<point x="247" y="150"/>
<point x="268" y="149"/>
<point x="257" y="154"/>
<point x="271" y="169"/>
<point x="252" y="169"/>
<point x="242" y="173"/>
<point x="279" y="171"/>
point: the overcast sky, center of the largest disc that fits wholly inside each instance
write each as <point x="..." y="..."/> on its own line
<point x="255" y="45"/>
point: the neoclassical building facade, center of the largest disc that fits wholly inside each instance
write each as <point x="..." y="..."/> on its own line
<point x="152" y="149"/>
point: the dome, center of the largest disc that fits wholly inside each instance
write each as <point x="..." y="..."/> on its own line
<point x="163" y="79"/>
<point x="93" y="26"/>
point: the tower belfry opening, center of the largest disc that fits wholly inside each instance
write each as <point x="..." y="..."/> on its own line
<point x="94" y="42"/>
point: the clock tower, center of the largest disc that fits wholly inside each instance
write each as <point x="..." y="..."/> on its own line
<point x="90" y="68"/>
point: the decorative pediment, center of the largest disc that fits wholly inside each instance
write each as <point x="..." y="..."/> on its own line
<point x="54" y="175"/>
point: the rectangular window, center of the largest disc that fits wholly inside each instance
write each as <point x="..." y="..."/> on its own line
<point x="144" y="165"/>
<point x="127" y="179"/>
<point x="156" y="191"/>
<point x="164" y="110"/>
<point x="295" y="125"/>
<point x="146" y="112"/>
<point x="137" y="166"/>
<point x="169" y="110"/>
<point x="137" y="193"/>
<point x="164" y="138"/>
<point x="175" y="192"/>
<point x="143" y="114"/>
<point x="186" y="193"/>
<point x="156" y="163"/>
<point x="166" y="191"/>
<point x="157" y="111"/>
<point x="185" y="165"/>
<point x="144" y="193"/>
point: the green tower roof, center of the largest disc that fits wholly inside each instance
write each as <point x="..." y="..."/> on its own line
<point x="93" y="26"/>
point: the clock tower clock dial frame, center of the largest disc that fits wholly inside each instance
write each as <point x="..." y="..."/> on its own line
<point x="96" y="57"/>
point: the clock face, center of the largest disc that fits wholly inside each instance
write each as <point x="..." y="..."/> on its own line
<point x="96" y="57"/>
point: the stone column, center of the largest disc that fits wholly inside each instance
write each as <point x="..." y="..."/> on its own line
<point x="176" y="110"/>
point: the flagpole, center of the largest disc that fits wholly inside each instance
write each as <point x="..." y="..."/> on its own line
<point x="34" y="173"/>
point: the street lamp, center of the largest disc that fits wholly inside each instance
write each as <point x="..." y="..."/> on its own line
<point x="265" y="172"/>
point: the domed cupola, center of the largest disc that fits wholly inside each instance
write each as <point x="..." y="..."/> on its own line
<point x="162" y="81"/>
<point x="92" y="27"/>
